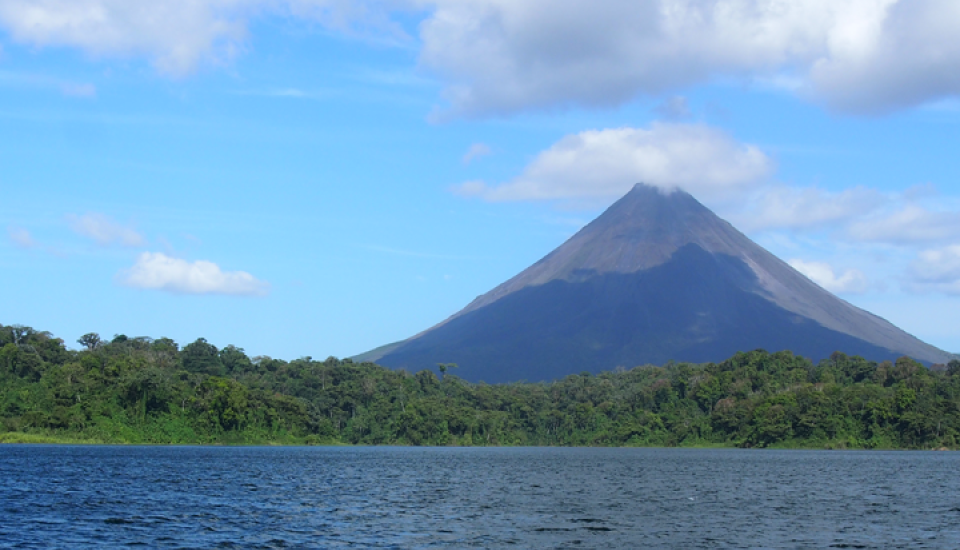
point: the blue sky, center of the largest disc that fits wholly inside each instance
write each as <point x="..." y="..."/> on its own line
<point x="317" y="177"/>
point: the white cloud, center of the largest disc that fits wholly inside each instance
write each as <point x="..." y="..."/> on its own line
<point x="850" y="281"/>
<point x="21" y="237"/>
<point x="176" y="35"/>
<point x="104" y="231"/>
<point x="475" y="151"/>
<point x="912" y="223"/>
<point x="918" y="216"/>
<point x="504" y="56"/>
<point x="603" y="164"/>
<point x="936" y="270"/>
<point x="887" y="54"/>
<point x="783" y="207"/>
<point x="157" y="271"/>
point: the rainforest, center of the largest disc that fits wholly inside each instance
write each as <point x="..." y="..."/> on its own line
<point x="153" y="391"/>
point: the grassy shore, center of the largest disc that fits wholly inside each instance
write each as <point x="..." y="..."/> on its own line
<point x="59" y="438"/>
<point x="45" y="439"/>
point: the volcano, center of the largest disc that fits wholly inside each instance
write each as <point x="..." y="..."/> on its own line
<point x="657" y="277"/>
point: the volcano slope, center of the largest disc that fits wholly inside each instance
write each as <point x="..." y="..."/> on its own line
<point x="657" y="277"/>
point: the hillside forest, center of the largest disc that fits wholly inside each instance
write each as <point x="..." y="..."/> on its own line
<point x="153" y="391"/>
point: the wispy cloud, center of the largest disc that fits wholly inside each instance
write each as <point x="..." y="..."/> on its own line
<point x="416" y="254"/>
<point x="476" y="151"/>
<point x="822" y="273"/>
<point x="936" y="270"/>
<point x="179" y="36"/>
<point x="21" y="238"/>
<point x="911" y="223"/>
<point x="104" y="231"/>
<point x="394" y="77"/>
<point x="66" y="87"/>
<point x="783" y="207"/>
<point x="288" y="93"/>
<point x="78" y="90"/>
<point x="157" y="271"/>
<point x="674" y="109"/>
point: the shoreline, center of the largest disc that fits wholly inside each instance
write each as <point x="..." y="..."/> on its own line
<point x="20" y="438"/>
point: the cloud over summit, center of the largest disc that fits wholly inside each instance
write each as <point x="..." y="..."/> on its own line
<point x="603" y="164"/>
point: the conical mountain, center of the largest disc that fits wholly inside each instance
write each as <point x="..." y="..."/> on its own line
<point x="656" y="277"/>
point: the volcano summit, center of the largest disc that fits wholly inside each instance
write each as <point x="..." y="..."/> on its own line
<point x="656" y="277"/>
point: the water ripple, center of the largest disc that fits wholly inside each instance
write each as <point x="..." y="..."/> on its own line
<point x="201" y="497"/>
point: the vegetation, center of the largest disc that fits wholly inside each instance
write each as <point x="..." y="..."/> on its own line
<point x="140" y="390"/>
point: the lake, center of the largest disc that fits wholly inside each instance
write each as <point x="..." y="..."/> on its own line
<point x="389" y="497"/>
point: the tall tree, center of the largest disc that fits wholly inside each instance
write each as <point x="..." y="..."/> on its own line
<point x="202" y="357"/>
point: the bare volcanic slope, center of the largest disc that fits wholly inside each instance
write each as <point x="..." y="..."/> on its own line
<point x="656" y="277"/>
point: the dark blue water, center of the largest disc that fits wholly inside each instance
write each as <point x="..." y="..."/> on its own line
<point x="191" y="497"/>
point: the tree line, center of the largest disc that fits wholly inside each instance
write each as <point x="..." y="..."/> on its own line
<point x="144" y="390"/>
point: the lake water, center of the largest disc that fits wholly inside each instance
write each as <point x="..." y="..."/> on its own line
<point x="255" y="497"/>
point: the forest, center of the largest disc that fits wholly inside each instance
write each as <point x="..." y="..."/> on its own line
<point x="153" y="391"/>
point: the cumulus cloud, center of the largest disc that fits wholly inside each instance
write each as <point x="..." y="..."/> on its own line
<point x="21" y="238"/>
<point x="783" y="207"/>
<point x="912" y="223"/>
<point x="104" y="230"/>
<point x="850" y="281"/>
<point x="936" y="270"/>
<point x="475" y="151"/>
<point x="602" y="164"/>
<point x="506" y="56"/>
<point x="886" y="54"/>
<point x="157" y="271"/>
<point x="866" y="56"/>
